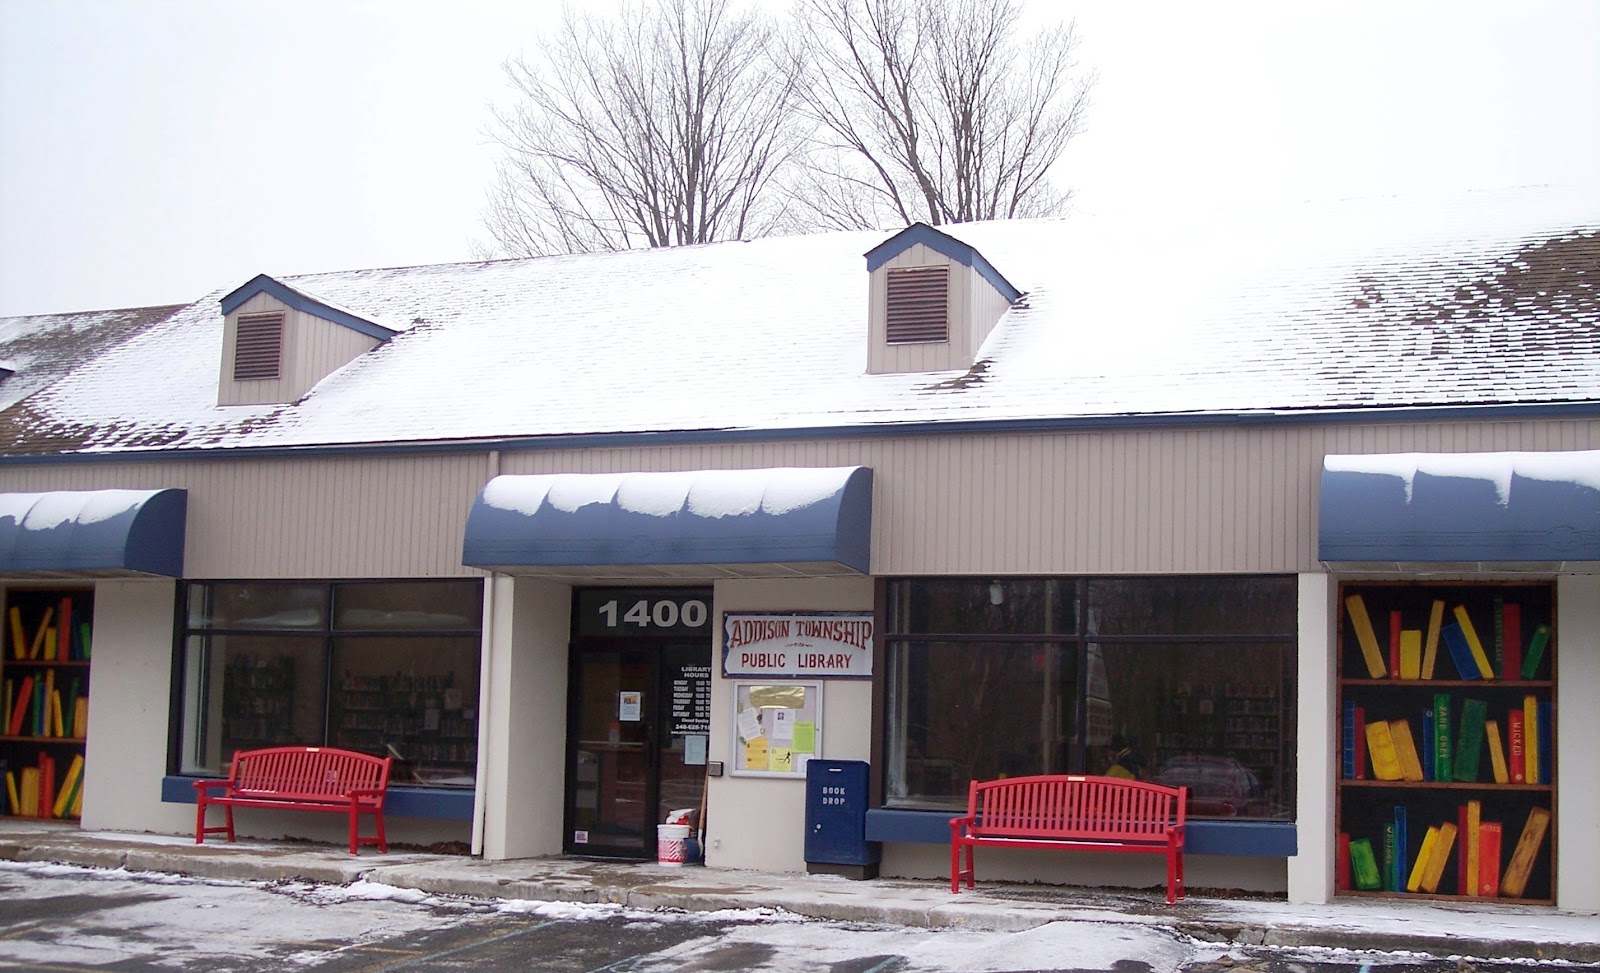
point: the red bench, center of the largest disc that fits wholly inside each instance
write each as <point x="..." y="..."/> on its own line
<point x="300" y="779"/>
<point x="1071" y="811"/>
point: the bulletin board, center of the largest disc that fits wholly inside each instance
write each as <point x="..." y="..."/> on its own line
<point x="778" y="727"/>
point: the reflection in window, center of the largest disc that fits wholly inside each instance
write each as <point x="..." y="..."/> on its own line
<point x="1185" y="680"/>
<point x="261" y="666"/>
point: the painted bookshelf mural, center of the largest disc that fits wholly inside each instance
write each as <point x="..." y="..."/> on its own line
<point x="1448" y="725"/>
<point x="44" y="689"/>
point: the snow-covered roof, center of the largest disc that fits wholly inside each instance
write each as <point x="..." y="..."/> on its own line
<point x="1477" y="300"/>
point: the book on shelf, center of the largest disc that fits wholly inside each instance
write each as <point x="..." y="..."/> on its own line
<point x="1497" y="643"/>
<point x="1546" y="742"/>
<point x="1341" y="863"/>
<point x="37" y="646"/>
<point x="1472" y="814"/>
<point x="1419" y="870"/>
<point x="1430" y="644"/>
<point x="1474" y="714"/>
<point x="1401" y="847"/>
<point x="13" y="798"/>
<point x="1443" y="746"/>
<point x="1511" y="624"/>
<point x="1380" y="745"/>
<point x="1516" y="739"/>
<point x="28" y="793"/>
<point x="1356" y="606"/>
<point x="1514" y="881"/>
<point x="1497" y="752"/>
<point x="1405" y="749"/>
<point x="1535" y="655"/>
<point x="1480" y="659"/>
<point x="1353" y="733"/>
<point x="1395" y="624"/>
<point x="1489" y="858"/>
<point x="1386" y="863"/>
<point x="1460" y="653"/>
<point x="1439" y="858"/>
<point x="1429" y="748"/>
<point x="69" y="787"/>
<point x="1410" y="653"/>
<point x="19" y="641"/>
<point x="1364" y="865"/>
<point x="1530" y="739"/>
<point x="19" y="709"/>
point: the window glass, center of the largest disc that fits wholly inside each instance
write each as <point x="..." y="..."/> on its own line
<point x="961" y="711"/>
<point x="262" y="665"/>
<point x="1184" y="680"/>
<point x="244" y="692"/>
<point x="1191" y="606"/>
<point x="413" y="699"/>
<point x="258" y="606"/>
<point x="408" y="606"/>
<point x="983" y="606"/>
<point x="1216" y="718"/>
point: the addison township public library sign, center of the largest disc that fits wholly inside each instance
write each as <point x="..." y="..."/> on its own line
<point x="836" y="645"/>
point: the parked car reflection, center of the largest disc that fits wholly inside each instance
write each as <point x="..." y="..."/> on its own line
<point x="1219" y="787"/>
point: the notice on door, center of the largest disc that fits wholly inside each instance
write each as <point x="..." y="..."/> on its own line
<point x="629" y="705"/>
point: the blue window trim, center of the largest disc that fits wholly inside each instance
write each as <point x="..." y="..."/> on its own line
<point x="440" y="804"/>
<point x="288" y="296"/>
<point x="1253" y="839"/>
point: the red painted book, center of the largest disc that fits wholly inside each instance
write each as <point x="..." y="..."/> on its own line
<point x="1511" y="621"/>
<point x="1342" y="871"/>
<point x="1489" y="858"/>
<point x="19" y="711"/>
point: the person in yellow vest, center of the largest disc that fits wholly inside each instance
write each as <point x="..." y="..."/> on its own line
<point x="1124" y="759"/>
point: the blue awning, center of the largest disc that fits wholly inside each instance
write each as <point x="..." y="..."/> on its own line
<point x="703" y="524"/>
<point x="93" y="533"/>
<point x="1461" y="507"/>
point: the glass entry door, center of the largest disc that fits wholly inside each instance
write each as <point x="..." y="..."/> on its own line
<point x="611" y="753"/>
<point x="638" y="713"/>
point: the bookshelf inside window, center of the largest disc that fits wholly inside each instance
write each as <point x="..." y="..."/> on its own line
<point x="1447" y="729"/>
<point x="44" y="690"/>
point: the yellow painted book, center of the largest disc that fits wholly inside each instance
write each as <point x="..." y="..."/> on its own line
<point x="38" y="636"/>
<point x="1515" y="880"/>
<point x="64" y="799"/>
<point x="1424" y="857"/>
<point x="1481" y="658"/>
<point x="1430" y="645"/>
<point x="1380" y="747"/>
<point x="1368" y="639"/>
<point x="1470" y="847"/>
<point x="1410" y="654"/>
<point x="1530" y="739"/>
<point x="1497" y="752"/>
<point x="12" y="798"/>
<point x="28" y="793"/>
<point x="1439" y="858"/>
<point x="80" y="718"/>
<point x="19" y="643"/>
<point x="1405" y="750"/>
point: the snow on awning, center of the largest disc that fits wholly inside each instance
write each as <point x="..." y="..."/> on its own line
<point x="93" y="533"/>
<point x="1504" y="508"/>
<point x="694" y="525"/>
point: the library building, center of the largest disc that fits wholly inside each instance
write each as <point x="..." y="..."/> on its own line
<point x="1297" y="508"/>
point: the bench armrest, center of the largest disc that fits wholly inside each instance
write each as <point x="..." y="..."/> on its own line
<point x="201" y="786"/>
<point x="960" y="825"/>
<point x="356" y="792"/>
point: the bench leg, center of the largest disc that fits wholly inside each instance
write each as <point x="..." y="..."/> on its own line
<point x="1175" y="888"/>
<point x="383" y="839"/>
<point x="200" y="829"/>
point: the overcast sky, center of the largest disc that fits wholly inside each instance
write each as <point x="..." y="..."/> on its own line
<point x="153" y="151"/>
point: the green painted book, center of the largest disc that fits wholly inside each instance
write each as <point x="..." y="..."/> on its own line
<point x="1469" y="747"/>
<point x="1443" y="713"/>
<point x="1363" y="865"/>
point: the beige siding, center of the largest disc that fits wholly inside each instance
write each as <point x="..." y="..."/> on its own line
<point x="1223" y="499"/>
<point x="312" y="350"/>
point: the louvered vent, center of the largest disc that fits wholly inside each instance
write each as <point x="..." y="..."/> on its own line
<point x="918" y="305"/>
<point x="258" y="349"/>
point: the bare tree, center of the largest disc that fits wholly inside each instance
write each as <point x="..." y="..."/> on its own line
<point x="934" y="110"/>
<point x="665" y="124"/>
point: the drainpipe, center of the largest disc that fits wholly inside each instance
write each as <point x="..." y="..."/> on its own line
<point x="486" y="654"/>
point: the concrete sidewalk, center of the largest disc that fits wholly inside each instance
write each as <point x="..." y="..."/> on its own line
<point x="1441" y="928"/>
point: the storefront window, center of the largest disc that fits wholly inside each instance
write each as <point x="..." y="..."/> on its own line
<point x="1185" y="681"/>
<point x="394" y="674"/>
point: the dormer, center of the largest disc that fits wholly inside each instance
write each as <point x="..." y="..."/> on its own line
<point x="279" y="342"/>
<point x="933" y="301"/>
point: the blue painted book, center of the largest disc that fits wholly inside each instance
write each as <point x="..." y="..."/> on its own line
<point x="1460" y="652"/>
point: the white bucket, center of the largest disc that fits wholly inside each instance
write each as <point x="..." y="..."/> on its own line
<point x="670" y="843"/>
